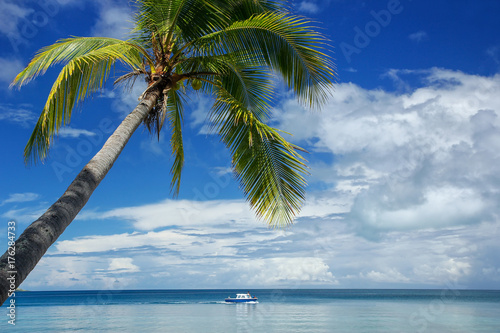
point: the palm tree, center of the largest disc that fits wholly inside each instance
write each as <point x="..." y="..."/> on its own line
<point x="230" y="50"/>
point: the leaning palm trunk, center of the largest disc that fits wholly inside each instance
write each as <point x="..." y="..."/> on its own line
<point x="229" y="50"/>
<point x="41" y="234"/>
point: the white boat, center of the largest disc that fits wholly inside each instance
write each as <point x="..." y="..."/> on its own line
<point x="241" y="298"/>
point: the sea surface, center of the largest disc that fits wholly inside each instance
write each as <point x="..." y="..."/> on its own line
<point x="286" y="311"/>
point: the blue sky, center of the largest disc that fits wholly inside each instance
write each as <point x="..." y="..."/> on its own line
<point x="404" y="184"/>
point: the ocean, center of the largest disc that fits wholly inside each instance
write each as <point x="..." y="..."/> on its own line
<point x="277" y="310"/>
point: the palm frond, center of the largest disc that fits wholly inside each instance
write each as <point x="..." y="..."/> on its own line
<point x="270" y="171"/>
<point x="287" y="45"/>
<point x="170" y="107"/>
<point x="89" y="61"/>
<point x="244" y="9"/>
<point x="236" y="74"/>
<point x="65" y="50"/>
<point x="175" y="119"/>
<point x="164" y="18"/>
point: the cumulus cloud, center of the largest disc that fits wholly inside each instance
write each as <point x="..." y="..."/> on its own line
<point x="184" y="213"/>
<point x="391" y="275"/>
<point x="82" y="273"/>
<point x="122" y="265"/>
<point x="314" y="253"/>
<point x="284" y="271"/>
<point x="114" y="21"/>
<point x="408" y="160"/>
<point x="406" y="197"/>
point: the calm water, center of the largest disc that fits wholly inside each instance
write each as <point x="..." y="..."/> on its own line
<point x="277" y="311"/>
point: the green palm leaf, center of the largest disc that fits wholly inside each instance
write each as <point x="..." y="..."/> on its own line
<point x="179" y="20"/>
<point x="65" y="50"/>
<point x="287" y="45"/>
<point x="88" y="64"/>
<point x="175" y="117"/>
<point x="270" y="171"/>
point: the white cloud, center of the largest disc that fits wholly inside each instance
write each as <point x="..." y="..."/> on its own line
<point x="23" y="21"/>
<point x="308" y="7"/>
<point x="182" y="213"/>
<point x="24" y="208"/>
<point x="192" y="226"/>
<point x="72" y="272"/>
<point x="283" y="271"/>
<point x="222" y="171"/>
<point x="114" y="21"/>
<point x="318" y="206"/>
<point x="408" y="160"/>
<point x="304" y="257"/>
<point x="418" y="36"/>
<point x="10" y="68"/>
<point x="396" y="75"/>
<point x="199" y="115"/>
<point x="448" y="270"/>
<point x="90" y="244"/>
<point x="122" y="265"/>
<point x="494" y="53"/>
<point x="314" y="252"/>
<point x="10" y="15"/>
<point x="20" y="197"/>
<point x="25" y="214"/>
<point x="128" y="98"/>
<point x="62" y="272"/>
<point x="436" y="207"/>
<point x="154" y="145"/>
<point x="432" y="257"/>
<point x="69" y="2"/>
<point x="19" y="114"/>
<point x="68" y="132"/>
<point x="186" y="242"/>
<point x="391" y="275"/>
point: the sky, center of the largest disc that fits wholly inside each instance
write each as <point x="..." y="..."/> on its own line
<point x="404" y="161"/>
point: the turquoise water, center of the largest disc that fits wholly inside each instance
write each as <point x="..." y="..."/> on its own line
<point x="277" y="311"/>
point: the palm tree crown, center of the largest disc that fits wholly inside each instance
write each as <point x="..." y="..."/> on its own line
<point x="231" y="50"/>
